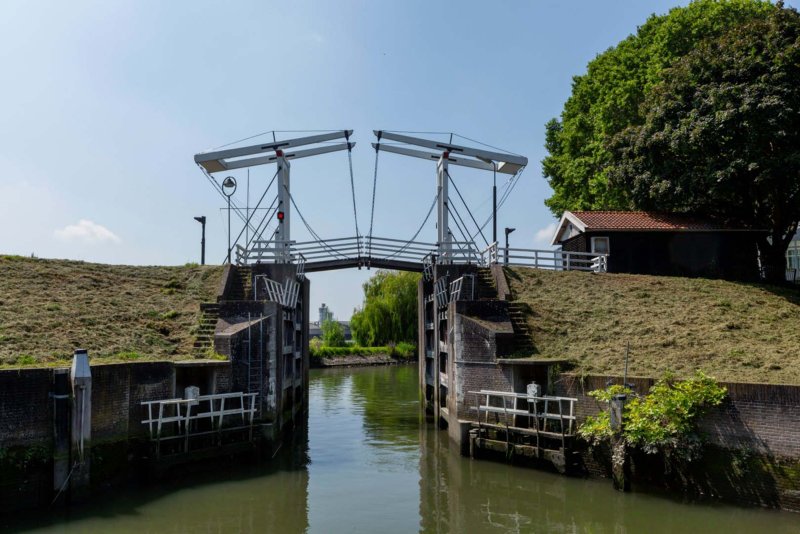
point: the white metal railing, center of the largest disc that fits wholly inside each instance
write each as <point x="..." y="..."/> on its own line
<point x="457" y="287"/>
<point x="541" y="412"/>
<point x="301" y="267"/>
<point x="558" y="260"/>
<point x="285" y="294"/>
<point x="178" y="417"/>
<point x="427" y="266"/>
<point x="359" y="248"/>
<point x="441" y="292"/>
<point x="489" y="254"/>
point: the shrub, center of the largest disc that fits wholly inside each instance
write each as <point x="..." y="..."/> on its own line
<point x="663" y="420"/>
<point x="332" y="334"/>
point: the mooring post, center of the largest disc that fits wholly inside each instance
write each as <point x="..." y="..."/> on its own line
<point x="620" y="464"/>
<point x="60" y="397"/>
<point x="81" y="378"/>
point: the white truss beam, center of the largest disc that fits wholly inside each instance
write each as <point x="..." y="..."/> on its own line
<point x="464" y="162"/>
<point x="506" y="163"/>
<point x="215" y="161"/>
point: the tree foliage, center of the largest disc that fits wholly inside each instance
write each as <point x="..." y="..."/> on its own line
<point x="663" y="420"/>
<point x="332" y="334"/>
<point x="389" y="314"/>
<point x="721" y="134"/>
<point x="607" y="99"/>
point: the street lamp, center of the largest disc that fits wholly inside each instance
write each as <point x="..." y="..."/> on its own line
<point x="202" y="220"/>
<point x="228" y="189"/>
<point x="508" y="231"/>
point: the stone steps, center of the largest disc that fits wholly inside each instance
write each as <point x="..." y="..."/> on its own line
<point x="243" y="284"/>
<point x="204" y="337"/>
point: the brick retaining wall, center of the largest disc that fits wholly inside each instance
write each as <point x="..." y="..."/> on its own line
<point x="753" y="444"/>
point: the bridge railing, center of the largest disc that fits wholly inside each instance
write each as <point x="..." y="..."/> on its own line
<point x="361" y="249"/>
<point x="557" y="260"/>
<point x="462" y="252"/>
<point x="397" y="249"/>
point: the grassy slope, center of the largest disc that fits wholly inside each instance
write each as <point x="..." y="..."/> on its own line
<point x="733" y="331"/>
<point x="50" y="307"/>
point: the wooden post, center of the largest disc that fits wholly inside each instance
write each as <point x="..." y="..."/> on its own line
<point x="620" y="463"/>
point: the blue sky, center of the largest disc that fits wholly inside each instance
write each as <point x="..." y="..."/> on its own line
<point x="103" y="105"/>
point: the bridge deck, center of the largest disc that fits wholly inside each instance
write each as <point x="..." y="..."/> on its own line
<point x="378" y="263"/>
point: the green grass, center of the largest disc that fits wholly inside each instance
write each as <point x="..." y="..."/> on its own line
<point x="733" y="331"/>
<point x="401" y="350"/>
<point x="118" y="312"/>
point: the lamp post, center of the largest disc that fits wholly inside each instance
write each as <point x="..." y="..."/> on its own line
<point x="508" y="231"/>
<point x="228" y="189"/>
<point x="494" y="204"/>
<point x="202" y="220"/>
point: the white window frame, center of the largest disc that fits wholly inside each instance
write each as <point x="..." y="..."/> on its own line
<point x="608" y="245"/>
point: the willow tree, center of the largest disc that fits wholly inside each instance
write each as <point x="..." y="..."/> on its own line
<point x="389" y="314"/>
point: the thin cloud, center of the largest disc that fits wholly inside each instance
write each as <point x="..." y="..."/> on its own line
<point x="544" y="235"/>
<point x="87" y="232"/>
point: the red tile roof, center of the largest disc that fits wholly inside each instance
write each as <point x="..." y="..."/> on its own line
<point x="643" y="220"/>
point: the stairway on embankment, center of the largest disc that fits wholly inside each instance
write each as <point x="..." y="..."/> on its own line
<point x="242" y="287"/>
<point x="521" y="344"/>
<point x="204" y="339"/>
<point x="485" y="284"/>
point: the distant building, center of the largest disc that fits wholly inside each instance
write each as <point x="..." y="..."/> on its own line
<point x="325" y="314"/>
<point x="315" y="330"/>
<point x="661" y="243"/>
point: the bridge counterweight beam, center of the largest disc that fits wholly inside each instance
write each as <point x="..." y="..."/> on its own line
<point x="283" y="233"/>
<point x="444" y="237"/>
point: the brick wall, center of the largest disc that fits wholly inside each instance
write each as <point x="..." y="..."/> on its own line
<point x="26" y="410"/>
<point x="752" y="454"/>
<point x="474" y="366"/>
<point x="762" y="417"/>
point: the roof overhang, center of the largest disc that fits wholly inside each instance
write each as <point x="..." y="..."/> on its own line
<point x="567" y="219"/>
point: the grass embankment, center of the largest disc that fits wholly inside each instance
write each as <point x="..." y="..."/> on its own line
<point x="117" y="312"/>
<point x="733" y="331"/>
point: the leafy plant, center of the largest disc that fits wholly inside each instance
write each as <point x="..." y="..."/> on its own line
<point x="25" y="359"/>
<point x="332" y="334"/>
<point x="663" y="420"/>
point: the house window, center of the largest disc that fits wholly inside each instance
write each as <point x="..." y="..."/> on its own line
<point x="600" y="245"/>
<point x="793" y="259"/>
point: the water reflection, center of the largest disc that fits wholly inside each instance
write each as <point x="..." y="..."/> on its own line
<point x="369" y="464"/>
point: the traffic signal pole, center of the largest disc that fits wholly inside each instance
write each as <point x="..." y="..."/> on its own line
<point x="283" y="233"/>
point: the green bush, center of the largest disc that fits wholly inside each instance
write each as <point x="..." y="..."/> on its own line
<point x="663" y="420"/>
<point x="403" y="350"/>
<point x="25" y="359"/>
<point x="332" y="334"/>
<point x="353" y="350"/>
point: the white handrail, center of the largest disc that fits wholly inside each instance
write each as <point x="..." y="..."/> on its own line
<point x="183" y="411"/>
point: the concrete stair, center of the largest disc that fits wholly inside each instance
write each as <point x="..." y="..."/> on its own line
<point x="242" y="288"/>
<point x="522" y="342"/>
<point x="204" y="340"/>
<point x="486" y="287"/>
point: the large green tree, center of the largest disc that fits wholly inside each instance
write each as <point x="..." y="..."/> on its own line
<point x="389" y="314"/>
<point x="608" y="98"/>
<point x="721" y="134"/>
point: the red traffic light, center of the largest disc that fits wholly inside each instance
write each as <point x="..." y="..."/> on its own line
<point x="280" y="216"/>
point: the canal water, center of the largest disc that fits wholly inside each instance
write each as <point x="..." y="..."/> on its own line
<point x="369" y="463"/>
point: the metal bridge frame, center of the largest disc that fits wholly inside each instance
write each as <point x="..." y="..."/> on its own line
<point x="457" y="155"/>
<point x="279" y="152"/>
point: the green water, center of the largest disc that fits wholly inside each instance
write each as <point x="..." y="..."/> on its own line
<point x="369" y="464"/>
